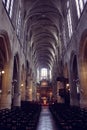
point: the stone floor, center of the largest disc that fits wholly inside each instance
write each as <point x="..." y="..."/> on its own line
<point x="46" y="121"/>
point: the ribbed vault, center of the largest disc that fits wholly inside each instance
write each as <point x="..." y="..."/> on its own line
<point x="43" y="26"/>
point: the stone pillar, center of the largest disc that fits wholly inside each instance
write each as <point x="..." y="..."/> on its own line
<point x="24" y="84"/>
<point x="54" y="92"/>
<point x="34" y="92"/>
<point x="6" y="86"/>
<point x="17" y="92"/>
<point x="83" y="94"/>
<point x="74" y="95"/>
<point x="74" y="100"/>
<point x="83" y="80"/>
<point x="83" y="100"/>
<point x="17" y="99"/>
<point x="29" y="89"/>
<point x="23" y="91"/>
<point x="37" y="97"/>
<point x="59" y="86"/>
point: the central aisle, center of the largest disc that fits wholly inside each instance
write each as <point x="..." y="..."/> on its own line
<point x="46" y="121"/>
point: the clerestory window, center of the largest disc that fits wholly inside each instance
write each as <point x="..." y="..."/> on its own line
<point x="9" y="6"/>
<point x="80" y="6"/>
<point x="69" y="21"/>
<point x="43" y="73"/>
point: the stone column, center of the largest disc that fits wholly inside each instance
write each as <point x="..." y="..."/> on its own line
<point x="82" y="71"/>
<point x="34" y="92"/>
<point x="17" y="92"/>
<point x="74" y="95"/>
<point x="17" y="99"/>
<point x="24" y="84"/>
<point x="6" y="86"/>
<point x="59" y="86"/>
<point x="29" y="89"/>
<point x="83" y="94"/>
<point x="23" y="91"/>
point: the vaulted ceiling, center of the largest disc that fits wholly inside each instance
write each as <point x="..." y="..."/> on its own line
<point x="43" y="20"/>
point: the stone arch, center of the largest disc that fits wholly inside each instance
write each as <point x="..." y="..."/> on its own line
<point x="83" y="68"/>
<point x="5" y="71"/>
<point x="5" y="45"/>
<point x="74" y="80"/>
<point x="16" y="81"/>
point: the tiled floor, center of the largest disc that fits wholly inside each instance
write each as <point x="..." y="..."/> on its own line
<point x="46" y="121"/>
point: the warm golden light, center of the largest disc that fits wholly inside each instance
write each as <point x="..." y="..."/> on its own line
<point x="69" y="89"/>
<point x="67" y="85"/>
<point x="3" y="72"/>
<point x="0" y="91"/>
<point x="38" y="94"/>
<point x="43" y="83"/>
<point x="51" y="93"/>
<point x="30" y="89"/>
<point x="44" y="101"/>
<point x="22" y="85"/>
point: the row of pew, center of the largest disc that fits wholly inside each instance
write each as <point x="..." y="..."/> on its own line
<point x="69" y="117"/>
<point x="20" y="118"/>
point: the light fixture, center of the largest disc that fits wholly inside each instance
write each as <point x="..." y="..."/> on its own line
<point x="22" y="85"/>
<point x="30" y="90"/>
<point x="67" y="85"/>
<point x="2" y="71"/>
<point x="0" y="91"/>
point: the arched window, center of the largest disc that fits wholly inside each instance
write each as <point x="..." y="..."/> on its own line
<point x="43" y="73"/>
